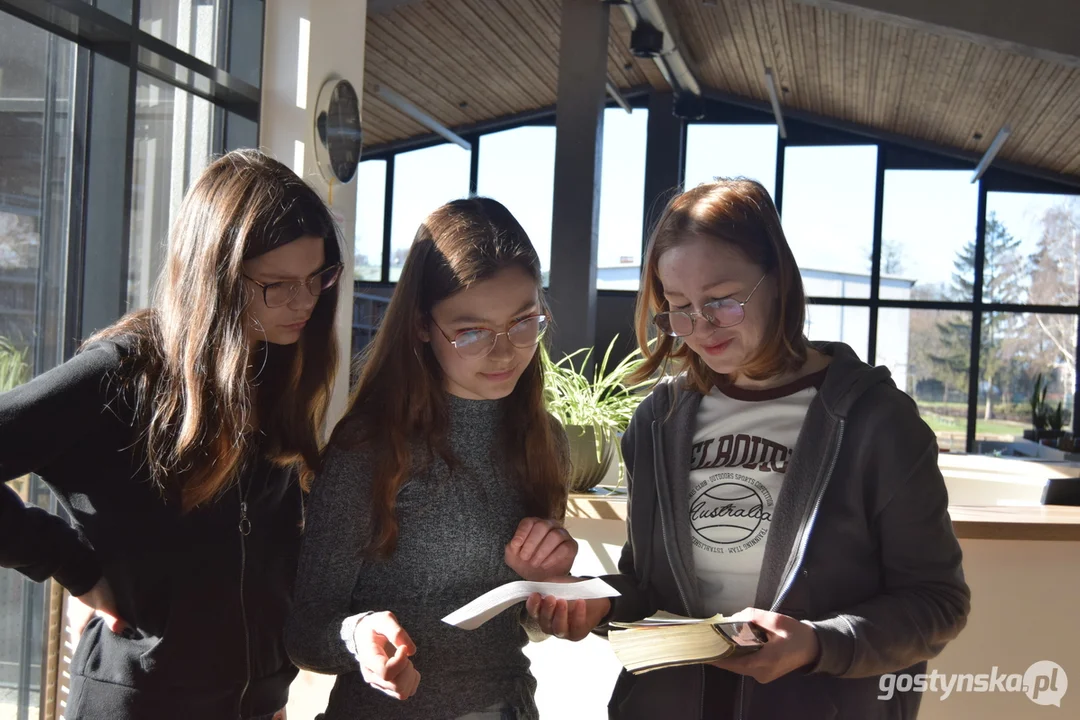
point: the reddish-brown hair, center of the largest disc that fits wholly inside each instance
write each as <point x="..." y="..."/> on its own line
<point x="741" y="213"/>
<point x="400" y="398"/>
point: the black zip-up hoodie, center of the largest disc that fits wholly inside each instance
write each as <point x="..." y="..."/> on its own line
<point x="206" y="602"/>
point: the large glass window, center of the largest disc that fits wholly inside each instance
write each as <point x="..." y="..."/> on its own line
<point x="517" y="168"/>
<point x="622" y="192"/>
<point x="714" y="151"/>
<point x="423" y="180"/>
<point x="828" y="216"/>
<point x="173" y="144"/>
<point x="929" y="354"/>
<point x="36" y="146"/>
<point x="65" y="156"/>
<point x="849" y="325"/>
<point x="1032" y="249"/>
<point x="928" y="234"/>
<point x="194" y="26"/>
<point x="370" y="217"/>
<point x="1015" y="349"/>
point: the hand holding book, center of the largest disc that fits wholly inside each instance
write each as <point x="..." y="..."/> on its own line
<point x="752" y="642"/>
<point x="791" y="644"/>
<point x="665" y="640"/>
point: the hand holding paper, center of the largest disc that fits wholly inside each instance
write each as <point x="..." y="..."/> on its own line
<point x="571" y="620"/>
<point x="490" y="604"/>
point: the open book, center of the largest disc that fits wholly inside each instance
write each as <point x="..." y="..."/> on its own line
<point x="666" y="640"/>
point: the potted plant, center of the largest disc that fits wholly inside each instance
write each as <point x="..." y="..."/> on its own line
<point x="1039" y="417"/>
<point x="1056" y="420"/>
<point x="594" y="411"/>
<point x="14" y="371"/>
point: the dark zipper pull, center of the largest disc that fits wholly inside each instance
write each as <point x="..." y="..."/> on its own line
<point x="245" y="524"/>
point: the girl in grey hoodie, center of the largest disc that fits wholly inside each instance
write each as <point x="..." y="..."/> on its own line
<point x="446" y="478"/>
<point x="775" y="478"/>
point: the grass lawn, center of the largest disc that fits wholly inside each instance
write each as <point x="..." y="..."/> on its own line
<point x="944" y="423"/>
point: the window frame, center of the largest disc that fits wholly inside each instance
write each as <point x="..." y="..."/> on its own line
<point x="109" y="54"/>
<point x="894" y="153"/>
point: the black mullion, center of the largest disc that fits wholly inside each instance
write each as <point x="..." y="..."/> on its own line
<point x="103" y="33"/>
<point x="684" y="131"/>
<point x="976" y="321"/>
<point x="129" y="161"/>
<point x="262" y="59"/>
<point x="388" y="211"/>
<point x="77" y="22"/>
<point x="42" y="359"/>
<point x="219" y="94"/>
<point x="1040" y="309"/>
<point x="220" y="117"/>
<point x="1076" y="389"/>
<point x="32" y="596"/>
<point x="839" y="301"/>
<point x="474" y="164"/>
<point x="875" y="258"/>
<point x="941" y="305"/>
<point x="162" y="50"/>
<point x="778" y="193"/>
<point x="224" y="24"/>
<point x="76" y="259"/>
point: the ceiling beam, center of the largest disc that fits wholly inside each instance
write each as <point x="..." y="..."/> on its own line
<point x="674" y="60"/>
<point x="399" y="103"/>
<point x="613" y="92"/>
<point x="774" y="100"/>
<point x="991" y="152"/>
<point x="1043" y="29"/>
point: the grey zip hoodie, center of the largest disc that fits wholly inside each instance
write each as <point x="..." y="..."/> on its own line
<point x="861" y="546"/>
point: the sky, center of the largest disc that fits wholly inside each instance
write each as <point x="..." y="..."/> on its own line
<point x="828" y="198"/>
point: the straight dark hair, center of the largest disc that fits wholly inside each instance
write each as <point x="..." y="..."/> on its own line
<point x="197" y="400"/>
<point x="400" y="397"/>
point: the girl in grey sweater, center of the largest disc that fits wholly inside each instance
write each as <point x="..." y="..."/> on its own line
<point x="445" y="479"/>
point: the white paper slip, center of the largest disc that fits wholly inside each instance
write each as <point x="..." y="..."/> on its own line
<point x="493" y="602"/>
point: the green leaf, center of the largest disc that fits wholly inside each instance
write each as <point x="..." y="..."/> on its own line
<point x="14" y="366"/>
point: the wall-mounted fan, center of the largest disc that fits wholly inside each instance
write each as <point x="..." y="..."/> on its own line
<point x="338" y="135"/>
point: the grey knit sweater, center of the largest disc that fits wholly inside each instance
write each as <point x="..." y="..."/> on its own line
<point x="452" y="532"/>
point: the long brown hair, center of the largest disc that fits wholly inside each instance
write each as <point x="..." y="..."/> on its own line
<point x="196" y="401"/>
<point x="400" y="399"/>
<point x="741" y="213"/>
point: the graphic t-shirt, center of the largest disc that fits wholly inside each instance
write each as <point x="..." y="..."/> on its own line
<point x="742" y="448"/>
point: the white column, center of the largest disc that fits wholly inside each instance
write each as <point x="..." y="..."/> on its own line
<point x="308" y="42"/>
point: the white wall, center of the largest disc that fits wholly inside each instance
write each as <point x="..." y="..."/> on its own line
<point x="308" y="42"/>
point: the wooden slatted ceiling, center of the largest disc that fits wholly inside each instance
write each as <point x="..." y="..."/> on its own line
<point x="932" y="87"/>
<point x="466" y="61"/>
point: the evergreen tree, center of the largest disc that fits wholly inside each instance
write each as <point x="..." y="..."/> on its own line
<point x="1001" y="283"/>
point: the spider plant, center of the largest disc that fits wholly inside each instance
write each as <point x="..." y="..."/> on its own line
<point x="593" y="408"/>
<point x="14" y="368"/>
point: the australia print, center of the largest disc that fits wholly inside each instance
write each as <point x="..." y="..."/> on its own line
<point x="730" y="513"/>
